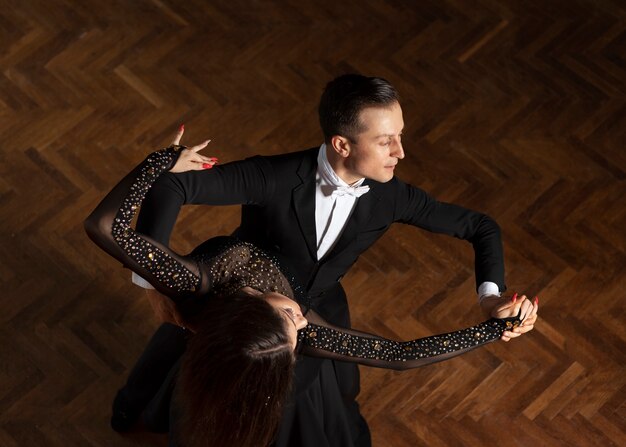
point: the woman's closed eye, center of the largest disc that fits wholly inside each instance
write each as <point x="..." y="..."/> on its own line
<point x="290" y="308"/>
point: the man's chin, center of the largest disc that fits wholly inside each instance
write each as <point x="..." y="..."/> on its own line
<point x="384" y="178"/>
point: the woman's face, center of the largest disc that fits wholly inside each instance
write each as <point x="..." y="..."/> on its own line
<point x="288" y="308"/>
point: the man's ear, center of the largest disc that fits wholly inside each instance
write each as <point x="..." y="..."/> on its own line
<point x="341" y="145"/>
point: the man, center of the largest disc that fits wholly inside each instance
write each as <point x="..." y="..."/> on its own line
<point x="318" y="210"/>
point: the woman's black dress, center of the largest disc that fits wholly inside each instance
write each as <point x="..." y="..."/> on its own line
<point x="316" y="416"/>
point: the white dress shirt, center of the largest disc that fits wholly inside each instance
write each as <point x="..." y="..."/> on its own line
<point x="334" y="203"/>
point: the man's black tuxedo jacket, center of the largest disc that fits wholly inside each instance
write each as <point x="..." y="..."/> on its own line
<point x="278" y="214"/>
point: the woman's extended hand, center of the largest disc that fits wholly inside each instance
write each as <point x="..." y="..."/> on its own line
<point x="189" y="159"/>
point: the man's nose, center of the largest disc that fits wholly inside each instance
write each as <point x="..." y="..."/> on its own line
<point x="398" y="150"/>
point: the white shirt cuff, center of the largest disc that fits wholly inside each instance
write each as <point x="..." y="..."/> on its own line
<point x="139" y="281"/>
<point x="487" y="288"/>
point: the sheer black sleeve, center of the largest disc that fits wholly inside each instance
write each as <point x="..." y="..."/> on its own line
<point x="109" y="226"/>
<point x="321" y="339"/>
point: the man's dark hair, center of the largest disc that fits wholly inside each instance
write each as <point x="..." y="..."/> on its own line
<point x="235" y="375"/>
<point x="345" y="97"/>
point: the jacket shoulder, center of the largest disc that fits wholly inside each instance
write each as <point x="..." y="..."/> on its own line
<point x="299" y="162"/>
<point x="391" y="188"/>
<point x="289" y="157"/>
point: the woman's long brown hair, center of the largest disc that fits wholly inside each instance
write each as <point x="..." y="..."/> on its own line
<point x="235" y="375"/>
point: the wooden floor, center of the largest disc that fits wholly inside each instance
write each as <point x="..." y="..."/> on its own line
<point x="517" y="109"/>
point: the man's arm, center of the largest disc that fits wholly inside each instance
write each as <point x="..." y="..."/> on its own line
<point x="415" y="207"/>
<point x="236" y="183"/>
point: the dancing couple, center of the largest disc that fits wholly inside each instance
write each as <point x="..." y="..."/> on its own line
<point x="258" y="347"/>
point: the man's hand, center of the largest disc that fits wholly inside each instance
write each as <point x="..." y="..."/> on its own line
<point x="504" y="307"/>
<point x="164" y="308"/>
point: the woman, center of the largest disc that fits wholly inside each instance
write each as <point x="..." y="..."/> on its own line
<point x="243" y="308"/>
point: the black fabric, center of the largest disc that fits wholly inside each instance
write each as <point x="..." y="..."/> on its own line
<point x="151" y="377"/>
<point x="320" y="417"/>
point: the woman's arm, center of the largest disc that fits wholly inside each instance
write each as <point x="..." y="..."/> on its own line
<point x="109" y="226"/>
<point x="321" y="339"/>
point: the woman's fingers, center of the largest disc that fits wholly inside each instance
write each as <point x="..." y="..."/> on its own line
<point x="526" y="308"/>
<point x="200" y="146"/>
<point x="179" y="135"/>
<point x="206" y="159"/>
<point x="528" y="323"/>
<point x="531" y="316"/>
<point x="206" y="162"/>
<point x="517" y="304"/>
<point x="508" y="335"/>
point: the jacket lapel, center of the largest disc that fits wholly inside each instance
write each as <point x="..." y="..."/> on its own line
<point x="361" y="214"/>
<point x="303" y="197"/>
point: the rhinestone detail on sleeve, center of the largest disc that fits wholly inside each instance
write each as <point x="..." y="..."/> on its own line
<point x="350" y="345"/>
<point x="166" y="269"/>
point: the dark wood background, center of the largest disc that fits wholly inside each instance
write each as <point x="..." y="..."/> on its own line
<point x="513" y="108"/>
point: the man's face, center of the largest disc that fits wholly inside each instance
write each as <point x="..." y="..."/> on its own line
<point x="378" y="149"/>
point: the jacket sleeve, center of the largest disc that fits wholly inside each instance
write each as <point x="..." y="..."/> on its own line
<point x="321" y="339"/>
<point x="244" y="182"/>
<point x="416" y="207"/>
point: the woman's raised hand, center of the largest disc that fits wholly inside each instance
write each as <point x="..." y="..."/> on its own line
<point x="190" y="159"/>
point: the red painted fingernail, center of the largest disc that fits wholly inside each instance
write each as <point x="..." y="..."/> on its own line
<point x="181" y="128"/>
<point x="514" y="299"/>
<point x="207" y="165"/>
<point x="537" y="300"/>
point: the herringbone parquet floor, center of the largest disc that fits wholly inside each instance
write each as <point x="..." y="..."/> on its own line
<point x="514" y="108"/>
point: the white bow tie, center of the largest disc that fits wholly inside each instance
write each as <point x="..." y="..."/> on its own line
<point x="339" y="191"/>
